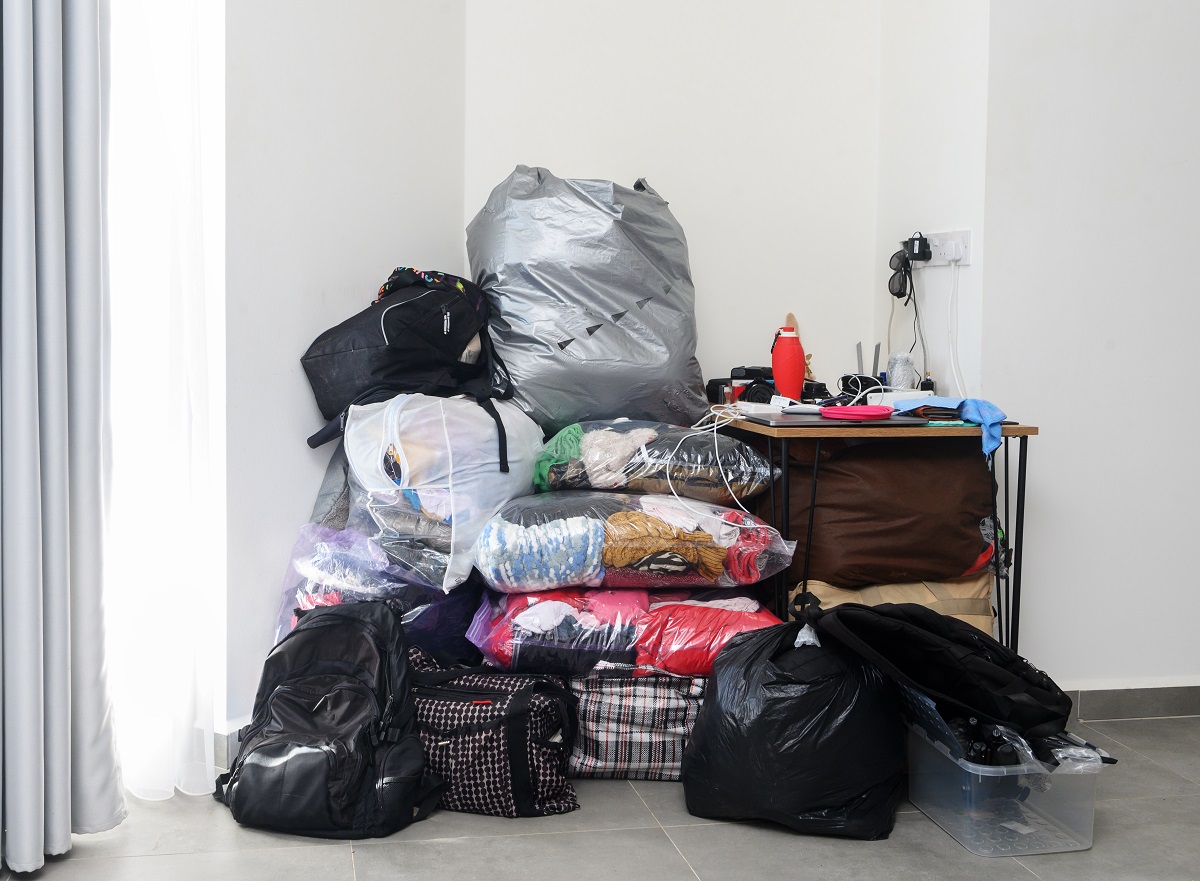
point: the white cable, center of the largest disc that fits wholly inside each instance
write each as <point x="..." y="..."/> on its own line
<point x="952" y="330"/>
<point x="891" y="318"/>
<point x="877" y="389"/>
<point x="921" y="330"/>
<point x="720" y="415"/>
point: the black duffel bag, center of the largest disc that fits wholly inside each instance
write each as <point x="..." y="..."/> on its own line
<point x="499" y="740"/>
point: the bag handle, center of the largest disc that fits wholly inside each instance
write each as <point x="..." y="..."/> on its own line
<point x="441" y="677"/>
<point x="406" y="277"/>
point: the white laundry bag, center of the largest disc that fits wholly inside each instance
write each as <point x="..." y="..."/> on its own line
<point x="425" y="477"/>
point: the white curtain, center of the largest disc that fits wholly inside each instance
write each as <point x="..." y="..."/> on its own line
<point x="58" y="772"/>
<point x="165" y="571"/>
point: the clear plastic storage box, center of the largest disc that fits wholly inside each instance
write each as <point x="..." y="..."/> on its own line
<point x="999" y="810"/>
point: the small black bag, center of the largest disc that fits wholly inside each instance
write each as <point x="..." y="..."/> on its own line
<point x="965" y="671"/>
<point x="500" y="740"/>
<point x="417" y="336"/>
<point x="331" y="750"/>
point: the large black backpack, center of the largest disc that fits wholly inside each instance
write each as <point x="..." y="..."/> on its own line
<point x="332" y="749"/>
<point x="965" y="671"/>
<point x="411" y="339"/>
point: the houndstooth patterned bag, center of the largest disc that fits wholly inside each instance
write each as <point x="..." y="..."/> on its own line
<point x="634" y="727"/>
<point x="499" y="740"/>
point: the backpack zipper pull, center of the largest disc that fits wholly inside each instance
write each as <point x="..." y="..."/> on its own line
<point x="445" y="320"/>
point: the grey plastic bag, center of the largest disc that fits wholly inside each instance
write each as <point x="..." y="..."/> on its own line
<point x="593" y="308"/>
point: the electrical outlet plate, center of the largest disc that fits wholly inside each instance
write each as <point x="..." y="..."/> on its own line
<point x="940" y="245"/>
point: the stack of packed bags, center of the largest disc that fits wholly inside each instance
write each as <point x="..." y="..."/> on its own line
<point x="516" y="484"/>
<point x="629" y="593"/>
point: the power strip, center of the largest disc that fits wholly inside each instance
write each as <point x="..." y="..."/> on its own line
<point x="753" y="409"/>
<point x="890" y="398"/>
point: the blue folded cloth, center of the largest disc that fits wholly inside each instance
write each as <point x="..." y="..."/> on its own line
<point x="983" y="413"/>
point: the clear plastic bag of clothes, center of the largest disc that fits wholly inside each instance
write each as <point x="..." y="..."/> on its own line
<point x="566" y="632"/>
<point x="592" y="539"/>
<point x="329" y="567"/>
<point x="652" y="457"/>
<point x="334" y="566"/>
<point x="593" y="306"/>
<point x="684" y="631"/>
<point x="570" y="632"/>
<point x="425" y="477"/>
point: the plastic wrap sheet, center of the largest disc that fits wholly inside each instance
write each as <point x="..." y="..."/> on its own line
<point x="809" y="736"/>
<point x="570" y="632"/>
<point x="593" y="307"/>
<point x="425" y="477"/>
<point x="329" y="567"/>
<point x="592" y="539"/>
<point x="652" y="457"/>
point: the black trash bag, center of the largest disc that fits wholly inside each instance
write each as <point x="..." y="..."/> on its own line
<point x="809" y="737"/>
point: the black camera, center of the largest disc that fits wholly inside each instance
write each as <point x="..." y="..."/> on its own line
<point x="763" y="373"/>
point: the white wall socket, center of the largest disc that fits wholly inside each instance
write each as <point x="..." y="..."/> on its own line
<point x="943" y="244"/>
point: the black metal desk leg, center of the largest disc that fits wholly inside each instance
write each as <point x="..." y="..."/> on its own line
<point x="812" y="512"/>
<point x="1004" y="580"/>
<point x="1015" y="608"/>
<point x="785" y="517"/>
<point x="771" y="463"/>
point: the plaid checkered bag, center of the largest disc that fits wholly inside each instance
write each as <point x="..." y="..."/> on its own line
<point x="634" y="727"/>
<point x="499" y="740"/>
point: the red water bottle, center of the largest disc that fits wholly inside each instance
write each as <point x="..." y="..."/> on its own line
<point x="787" y="363"/>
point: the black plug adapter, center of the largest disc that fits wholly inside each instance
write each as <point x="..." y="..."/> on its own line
<point x="917" y="247"/>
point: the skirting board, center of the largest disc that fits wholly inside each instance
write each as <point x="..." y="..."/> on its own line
<point x="1137" y="703"/>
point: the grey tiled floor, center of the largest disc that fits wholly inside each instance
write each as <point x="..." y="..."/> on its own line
<point x="1147" y="827"/>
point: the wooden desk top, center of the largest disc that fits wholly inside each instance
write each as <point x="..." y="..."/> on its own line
<point x="791" y="432"/>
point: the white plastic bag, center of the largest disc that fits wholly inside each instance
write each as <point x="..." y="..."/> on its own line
<point x="425" y="477"/>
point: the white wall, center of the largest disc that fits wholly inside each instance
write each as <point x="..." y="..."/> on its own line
<point x="756" y="121"/>
<point x="344" y="159"/>
<point x="781" y="132"/>
<point x="932" y="142"/>
<point x="1090" y="316"/>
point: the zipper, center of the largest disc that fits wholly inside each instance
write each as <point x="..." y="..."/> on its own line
<point x="285" y="687"/>
<point x="382" y="315"/>
<point x="383" y="331"/>
<point x="445" y="319"/>
<point x="385" y="651"/>
<point x="481" y="697"/>
<point x="358" y="688"/>
<point x="342" y="619"/>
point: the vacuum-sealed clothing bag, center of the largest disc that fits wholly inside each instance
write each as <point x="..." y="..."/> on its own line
<point x="592" y="539"/>
<point x="634" y="455"/>
<point x="570" y="632"/>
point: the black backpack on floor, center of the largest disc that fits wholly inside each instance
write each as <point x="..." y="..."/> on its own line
<point x="418" y="336"/>
<point x="332" y="749"/>
<point x="965" y="671"/>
